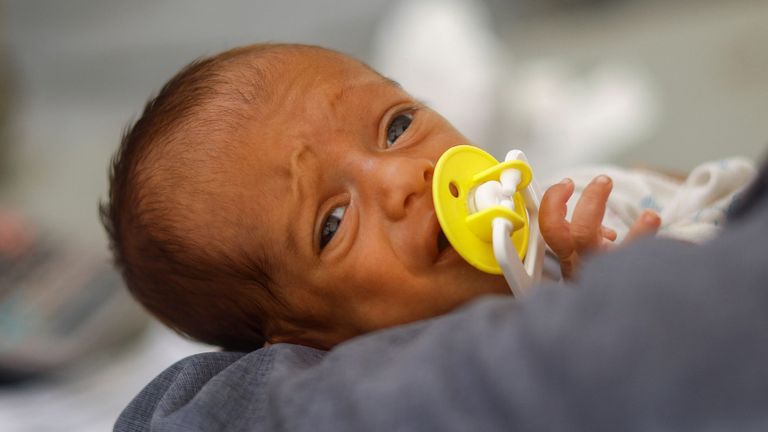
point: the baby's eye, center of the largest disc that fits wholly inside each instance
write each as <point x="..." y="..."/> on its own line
<point x="397" y="127"/>
<point x="331" y="225"/>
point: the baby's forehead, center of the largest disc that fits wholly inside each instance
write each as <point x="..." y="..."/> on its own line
<point x="314" y="69"/>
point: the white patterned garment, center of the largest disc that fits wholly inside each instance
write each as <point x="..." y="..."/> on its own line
<point x="690" y="209"/>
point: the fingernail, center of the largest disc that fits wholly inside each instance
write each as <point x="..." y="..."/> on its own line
<point x="566" y="181"/>
<point x="650" y="216"/>
<point x="603" y="179"/>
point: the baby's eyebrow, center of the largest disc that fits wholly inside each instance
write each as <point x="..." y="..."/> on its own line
<point x="392" y="82"/>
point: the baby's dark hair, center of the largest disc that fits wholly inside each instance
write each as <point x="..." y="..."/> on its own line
<point x="204" y="285"/>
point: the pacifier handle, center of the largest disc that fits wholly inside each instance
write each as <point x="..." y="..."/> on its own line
<point x="520" y="275"/>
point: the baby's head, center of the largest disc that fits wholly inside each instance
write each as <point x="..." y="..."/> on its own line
<point x="282" y="193"/>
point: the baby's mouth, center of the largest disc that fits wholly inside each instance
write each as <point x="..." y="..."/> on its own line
<point x="442" y="243"/>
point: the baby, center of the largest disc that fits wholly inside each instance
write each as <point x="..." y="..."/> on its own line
<point x="282" y="193"/>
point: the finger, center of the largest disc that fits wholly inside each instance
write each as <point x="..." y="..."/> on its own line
<point x="647" y="224"/>
<point x="552" y="224"/>
<point x="607" y="245"/>
<point x="587" y="221"/>
<point x="609" y="233"/>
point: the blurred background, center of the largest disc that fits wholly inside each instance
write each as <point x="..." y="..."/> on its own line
<point x="665" y="84"/>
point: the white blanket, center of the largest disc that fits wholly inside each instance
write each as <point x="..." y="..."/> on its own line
<point x="690" y="210"/>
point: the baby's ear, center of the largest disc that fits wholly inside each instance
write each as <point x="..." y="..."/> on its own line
<point x="279" y="334"/>
<point x="319" y="339"/>
<point x="274" y="340"/>
<point x="293" y="338"/>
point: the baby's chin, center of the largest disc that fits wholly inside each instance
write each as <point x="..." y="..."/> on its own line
<point x="471" y="278"/>
<point x="477" y="281"/>
<point x="496" y="284"/>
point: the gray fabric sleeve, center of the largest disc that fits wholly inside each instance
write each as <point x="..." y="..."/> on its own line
<point x="659" y="336"/>
<point x="662" y="336"/>
<point x="172" y="389"/>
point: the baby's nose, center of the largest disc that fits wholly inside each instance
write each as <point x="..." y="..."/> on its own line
<point x="400" y="181"/>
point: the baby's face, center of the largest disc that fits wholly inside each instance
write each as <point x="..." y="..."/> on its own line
<point x="341" y="174"/>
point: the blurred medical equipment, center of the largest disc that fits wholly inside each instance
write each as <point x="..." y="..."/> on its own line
<point x="59" y="305"/>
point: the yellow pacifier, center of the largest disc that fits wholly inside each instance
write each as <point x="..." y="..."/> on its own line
<point x="462" y="172"/>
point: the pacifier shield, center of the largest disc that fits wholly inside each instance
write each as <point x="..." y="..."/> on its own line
<point x="453" y="182"/>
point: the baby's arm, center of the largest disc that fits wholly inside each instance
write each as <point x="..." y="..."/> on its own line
<point x="585" y="233"/>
